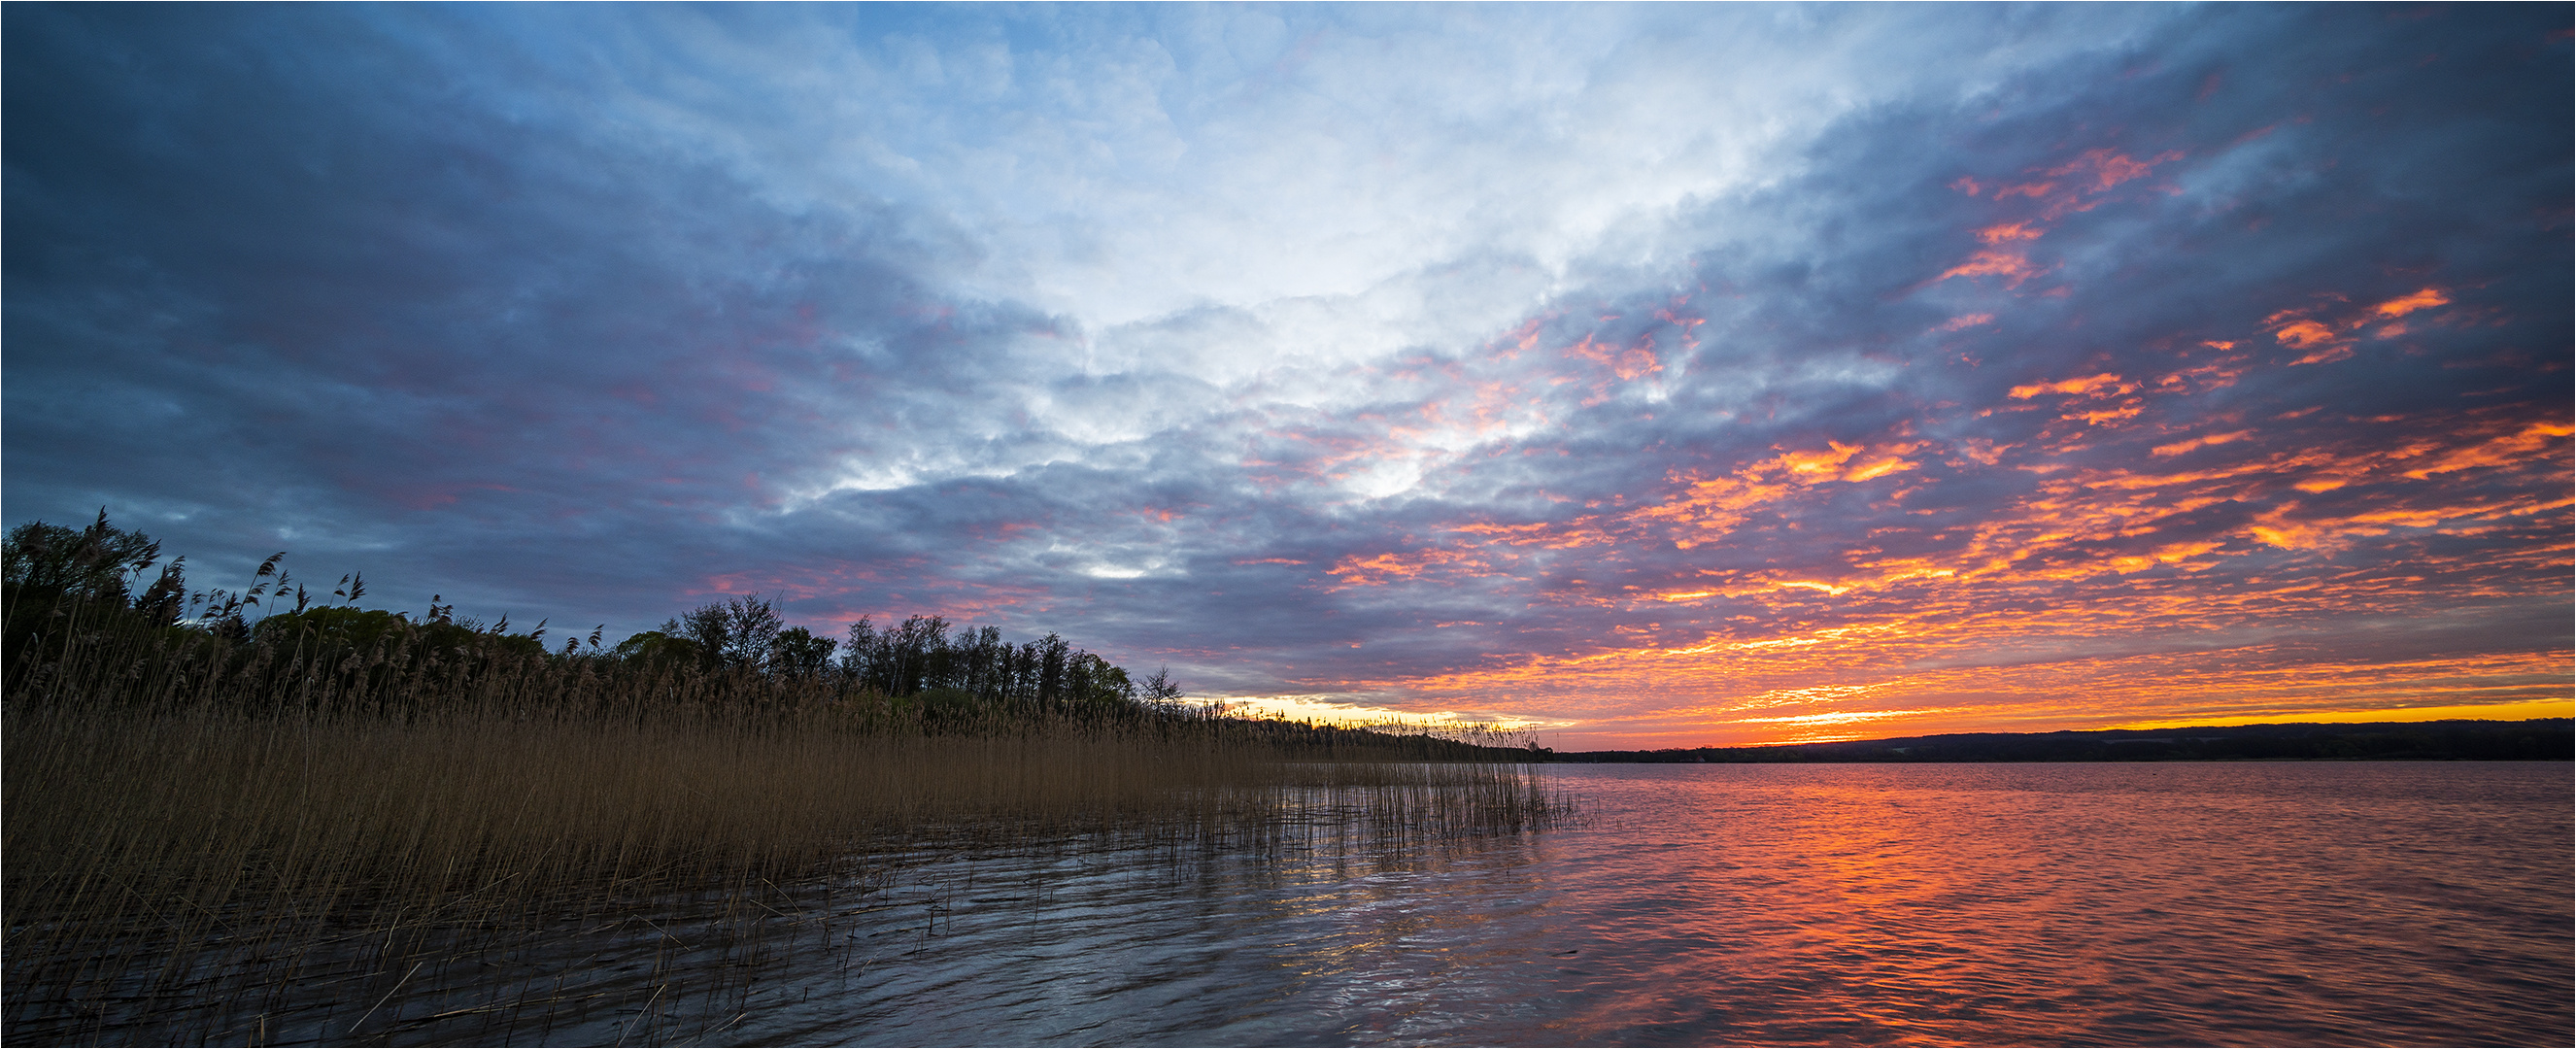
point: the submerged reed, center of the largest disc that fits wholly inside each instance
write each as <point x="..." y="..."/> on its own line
<point x="288" y="840"/>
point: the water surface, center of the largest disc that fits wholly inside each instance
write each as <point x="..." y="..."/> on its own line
<point x="2251" y="903"/>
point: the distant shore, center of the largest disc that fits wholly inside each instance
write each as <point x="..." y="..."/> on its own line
<point x="2539" y="739"/>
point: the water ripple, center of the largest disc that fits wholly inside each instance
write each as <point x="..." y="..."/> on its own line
<point x="2281" y="904"/>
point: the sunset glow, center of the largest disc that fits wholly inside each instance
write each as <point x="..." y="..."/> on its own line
<point x="1632" y="377"/>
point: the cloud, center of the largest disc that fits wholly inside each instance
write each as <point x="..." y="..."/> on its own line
<point x="1617" y="368"/>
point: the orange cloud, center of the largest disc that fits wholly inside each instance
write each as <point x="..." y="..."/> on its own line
<point x="1827" y="462"/>
<point x="1910" y="674"/>
<point x="2090" y="384"/>
<point x="2179" y="447"/>
<point x="2008" y="232"/>
<point x="2011" y="265"/>
<point x="2305" y="334"/>
<point x="2403" y="305"/>
<point x="1846" y="462"/>
<point x="2516" y="448"/>
<point x="1631" y="362"/>
<point x="1386" y="568"/>
<point x="2141" y="515"/>
<point x="2326" y="343"/>
<point x="2109" y="168"/>
<point x="2091" y="172"/>
<point x="2048" y="567"/>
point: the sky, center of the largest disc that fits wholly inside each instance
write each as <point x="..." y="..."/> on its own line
<point x="1638" y="376"/>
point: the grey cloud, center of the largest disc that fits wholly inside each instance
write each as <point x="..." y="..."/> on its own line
<point x="563" y="312"/>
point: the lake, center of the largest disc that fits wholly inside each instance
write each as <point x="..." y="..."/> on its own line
<point x="2109" y="904"/>
<point x="2010" y="904"/>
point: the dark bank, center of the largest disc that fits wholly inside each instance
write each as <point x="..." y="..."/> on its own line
<point x="2539" y="739"/>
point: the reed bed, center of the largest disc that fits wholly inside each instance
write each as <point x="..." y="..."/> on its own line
<point x="291" y="842"/>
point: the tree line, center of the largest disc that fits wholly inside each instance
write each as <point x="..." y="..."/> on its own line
<point x="49" y="569"/>
<point x="918" y="656"/>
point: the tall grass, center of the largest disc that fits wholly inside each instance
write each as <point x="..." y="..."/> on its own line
<point x="214" y="840"/>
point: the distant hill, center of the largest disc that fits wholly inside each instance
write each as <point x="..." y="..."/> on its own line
<point x="2540" y="739"/>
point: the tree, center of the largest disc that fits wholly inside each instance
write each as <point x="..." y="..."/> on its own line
<point x="918" y="651"/>
<point x="735" y="633"/>
<point x="96" y="563"/>
<point x="798" y="652"/>
<point x="1051" y="652"/>
<point x="858" y="657"/>
<point x="1161" y="690"/>
<point x="330" y="626"/>
<point x="657" y="649"/>
<point x="339" y="628"/>
<point x="919" y="655"/>
<point x="1093" y="681"/>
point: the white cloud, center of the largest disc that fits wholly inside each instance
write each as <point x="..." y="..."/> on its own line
<point x="1122" y="173"/>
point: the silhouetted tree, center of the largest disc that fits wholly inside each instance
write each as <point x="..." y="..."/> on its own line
<point x="655" y="648"/>
<point x="96" y="563"/>
<point x="797" y="651"/>
<point x="735" y="633"/>
<point x="1051" y="652"/>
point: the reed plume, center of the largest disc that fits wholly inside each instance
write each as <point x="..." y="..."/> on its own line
<point x="210" y="832"/>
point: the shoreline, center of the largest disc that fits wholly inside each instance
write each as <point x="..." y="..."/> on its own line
<point x="2537" y="739"/>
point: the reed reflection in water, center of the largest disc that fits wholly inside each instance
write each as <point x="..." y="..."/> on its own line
<point x="2285" y="904"/>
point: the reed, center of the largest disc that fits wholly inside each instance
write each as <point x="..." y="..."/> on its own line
<point x="212" y="839"/>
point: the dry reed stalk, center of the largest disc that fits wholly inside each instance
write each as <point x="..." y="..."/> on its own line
<point x="203" y="837"/>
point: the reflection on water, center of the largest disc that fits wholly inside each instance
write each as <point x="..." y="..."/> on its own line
<point x="2281" y="904"/>
<point x="2273" y="904"/>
